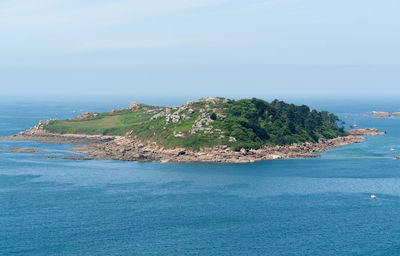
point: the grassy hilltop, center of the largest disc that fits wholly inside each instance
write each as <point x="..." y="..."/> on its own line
<point x="246" y="123"/>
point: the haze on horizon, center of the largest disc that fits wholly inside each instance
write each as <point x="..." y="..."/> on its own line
<point x="213" y="47"/>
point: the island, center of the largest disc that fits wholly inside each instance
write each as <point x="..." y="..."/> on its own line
<point x="208" y="130"/>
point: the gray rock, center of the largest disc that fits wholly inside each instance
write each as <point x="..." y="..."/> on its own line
<point x="77" y="158"/>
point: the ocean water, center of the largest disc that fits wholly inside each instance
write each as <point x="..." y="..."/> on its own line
<point x="318" y="206"/>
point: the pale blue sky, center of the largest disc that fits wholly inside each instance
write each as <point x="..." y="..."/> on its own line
<point x="204" y="47"/>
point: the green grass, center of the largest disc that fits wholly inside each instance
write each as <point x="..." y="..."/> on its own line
<point x="134" y="117"/>
<point x="104" y="124"/>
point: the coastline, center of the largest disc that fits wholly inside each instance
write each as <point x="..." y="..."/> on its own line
<point x="125" y="149"/>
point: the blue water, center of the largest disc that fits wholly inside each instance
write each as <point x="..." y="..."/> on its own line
<point x="316" y="206"/>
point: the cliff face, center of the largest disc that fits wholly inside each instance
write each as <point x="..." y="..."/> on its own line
<point x="241" y="124"/>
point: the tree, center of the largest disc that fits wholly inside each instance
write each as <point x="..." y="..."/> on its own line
<point x="213" y="116"/>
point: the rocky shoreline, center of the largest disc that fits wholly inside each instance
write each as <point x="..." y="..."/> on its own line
<point x="23" y="150"/>
<point x="125" y="149"/>
<point x="366" y="132"/>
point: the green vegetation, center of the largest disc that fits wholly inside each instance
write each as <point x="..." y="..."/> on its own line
<point x="247" y="123"/>
<point x="104" y="124"/>
<point x="255" y="123"/>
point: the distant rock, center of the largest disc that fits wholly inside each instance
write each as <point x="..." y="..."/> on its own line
<point x="77" y="158"/>
<point x="23" y="150"/>
<point x="384" y="114"/>
<point x="87" y="115"/>
<point x="366" y="132"/>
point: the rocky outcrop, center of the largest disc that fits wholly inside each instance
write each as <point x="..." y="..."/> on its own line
<point x="23" y="150"/>
<point x="202" y="120"/>
<point x="135" y="106"/>
<point x="366" y="132"/>
<point x="384" y="114"/>
<point x="122" y="148"/>
<point x="84" y="116"/>
<point x="213" y="100"/>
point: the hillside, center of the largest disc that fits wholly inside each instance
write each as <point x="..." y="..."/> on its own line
<point x="246" y="123"/>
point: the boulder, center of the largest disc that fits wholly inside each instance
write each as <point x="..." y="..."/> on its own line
<point x="232" y="139"/>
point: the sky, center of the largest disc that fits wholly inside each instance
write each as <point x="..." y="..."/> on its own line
<point x="200" y="47"/>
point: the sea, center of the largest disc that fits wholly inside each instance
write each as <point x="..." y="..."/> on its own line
<point x="319" y="206"/>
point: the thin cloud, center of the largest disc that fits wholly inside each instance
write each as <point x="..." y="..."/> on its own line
<point x="27" y="13"/>
<point x="104" y="45"/>
<point x="274" y="2"/>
